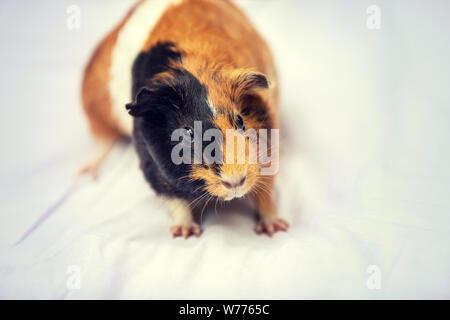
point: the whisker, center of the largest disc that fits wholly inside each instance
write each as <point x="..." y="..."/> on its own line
<point x="196" y="200"/>
<point x="201" y="214"/>
<point x="215" y="207"/>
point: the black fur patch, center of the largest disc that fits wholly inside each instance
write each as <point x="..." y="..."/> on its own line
<point x="156" y="60"/>
<point x="159" y="109"/>
<point x="254" y="107"/>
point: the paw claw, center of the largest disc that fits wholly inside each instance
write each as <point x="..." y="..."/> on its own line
<point x="92" y="166"/>
<point x="259" y="228"/>
<point x="176" y="231"/>
<point x="186" y="231"/>
<point x="271" y="225"/>
<point x="90" y="169"/>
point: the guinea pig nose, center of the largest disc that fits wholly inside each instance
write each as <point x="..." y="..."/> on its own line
<point x="227" y="184"/>
<point x="234" y="184"/>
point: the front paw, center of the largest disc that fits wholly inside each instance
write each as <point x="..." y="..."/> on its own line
<point x="185" y="230"/>
<point x="270" y="225"/>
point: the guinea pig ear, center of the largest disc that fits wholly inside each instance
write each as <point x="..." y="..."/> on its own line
<point x="139" y="106"/>
<point x="248" y="82"/>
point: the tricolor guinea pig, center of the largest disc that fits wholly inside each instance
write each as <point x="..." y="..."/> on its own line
<point x="188" y="79"/>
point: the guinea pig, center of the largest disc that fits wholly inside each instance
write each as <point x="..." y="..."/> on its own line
<point x="195" y="70"/>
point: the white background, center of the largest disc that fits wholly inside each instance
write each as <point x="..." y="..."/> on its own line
<point x="364" y="179"/>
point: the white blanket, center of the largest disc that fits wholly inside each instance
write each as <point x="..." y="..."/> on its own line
<point x="364" y="179"/>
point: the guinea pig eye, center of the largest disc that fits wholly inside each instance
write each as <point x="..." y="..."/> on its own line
<point x="188" y="135"/>
<point x="240" y="122"/>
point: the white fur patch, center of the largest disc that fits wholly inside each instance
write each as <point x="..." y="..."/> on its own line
<point x="179" y="209"/>
<point x="211" y="107"/>
<point x="129" y="43"/>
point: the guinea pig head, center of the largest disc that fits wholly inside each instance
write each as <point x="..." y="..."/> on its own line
<point x="204" y="131"/>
